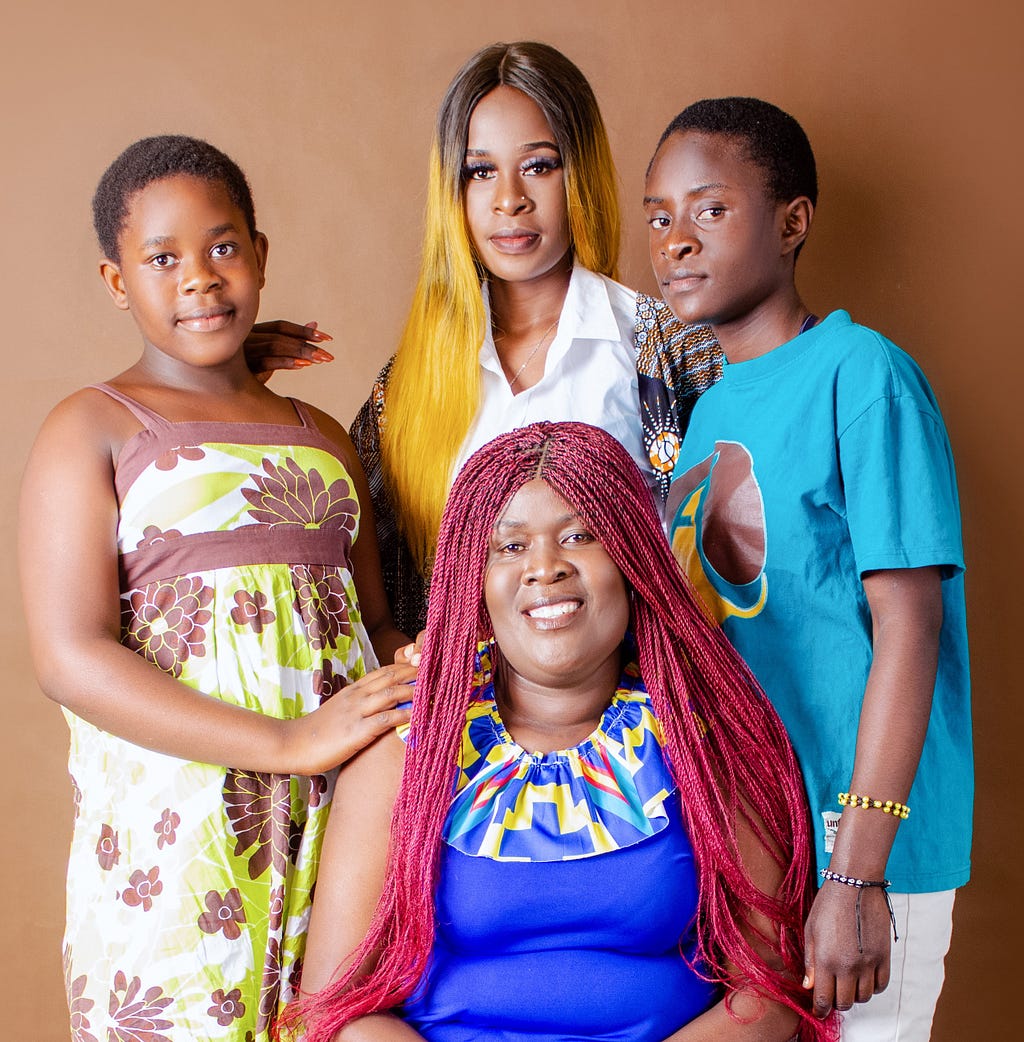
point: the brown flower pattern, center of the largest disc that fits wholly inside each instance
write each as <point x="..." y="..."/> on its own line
<point x="223" y="914"/>
<point x="270" y="988"/>
<point x="294" y="979"/>
<point x="137" y="1019"/>
<point x="289" y="495"/>
<point x="317" y="788"/>
<point x="165" y="621"/>
<point x="326" y="682"/>
<point x="227" y="1006"/>
<point x="169" y="460"/>
<point x="142" y="888"/>
<point x="258" y="807"/>
<point x="321" y="602"/>
<point x="153" y="536"/>
<point x="107" y="850"/>
<point x="78" y="1007"/>
<point x="275" y="908"/>
<point x="251" y="610"/>
<point x="165" y="828"/>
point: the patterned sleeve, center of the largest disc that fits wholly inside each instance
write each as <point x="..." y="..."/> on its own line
<point x="675" y="365"/>
<point x="403" y="583"/>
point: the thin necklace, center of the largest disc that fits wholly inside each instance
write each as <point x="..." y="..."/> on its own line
<point x="533" y="354"/>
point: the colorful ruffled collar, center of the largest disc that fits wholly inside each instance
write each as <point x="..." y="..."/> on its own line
<point x="604" y="794"/>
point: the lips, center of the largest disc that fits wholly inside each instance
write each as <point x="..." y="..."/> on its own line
<point x="207" y="320"/>
<point x="514" y="240"/>
<point x="682" y="279"/>
<point x="553" y="613"/>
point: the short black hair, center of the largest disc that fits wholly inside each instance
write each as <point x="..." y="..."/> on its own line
<point x="153" y="159"/>
<point x="773" y="139"/>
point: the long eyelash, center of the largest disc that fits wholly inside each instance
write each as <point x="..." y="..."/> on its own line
<point x="547" y="162"/>
<point x="469" y="169"/>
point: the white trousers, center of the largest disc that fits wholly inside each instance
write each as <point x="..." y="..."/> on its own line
<point x="904" y="1011"/>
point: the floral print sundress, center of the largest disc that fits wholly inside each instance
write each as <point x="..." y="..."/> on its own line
<point x="189" y="885"/>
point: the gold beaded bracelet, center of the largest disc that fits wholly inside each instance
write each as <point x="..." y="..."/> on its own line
<point x="897" y="810"/>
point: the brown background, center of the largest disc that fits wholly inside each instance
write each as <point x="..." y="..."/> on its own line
<point x="914" y="111"/>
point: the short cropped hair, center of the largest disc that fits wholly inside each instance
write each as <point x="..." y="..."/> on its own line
<point x="153" y="159"/>
<point x="774" y="140"/>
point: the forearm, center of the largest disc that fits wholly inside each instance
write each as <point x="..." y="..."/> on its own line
<point x="105" y="683"/>
<point x="386" y="640"/>
<point x="847" y="934"/>
<point x="894" y="715"/>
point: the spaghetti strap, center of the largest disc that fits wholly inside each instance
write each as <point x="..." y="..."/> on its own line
<point x="149" y="419"/>
<point x="302" y="411"/>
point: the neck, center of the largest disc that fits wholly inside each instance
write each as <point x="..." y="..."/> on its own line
<point x="544" y="718"/>
<point x="520" y="310"/>
<point x="772" y="323"/>
<point x="229" y="377"/>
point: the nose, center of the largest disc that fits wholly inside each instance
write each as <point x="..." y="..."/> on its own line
<point x="510" y="197"/>
<point x="545" y="564"/>
<point x="679" y="242"/>
<point x="198" y="275"/>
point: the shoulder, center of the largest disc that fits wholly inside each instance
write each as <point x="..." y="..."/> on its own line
<point x="332" y="430"/>
<point x="870" y="367"/>
<point x="85" y="422"/>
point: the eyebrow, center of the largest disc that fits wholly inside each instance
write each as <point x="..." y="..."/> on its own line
<point x="504" y="524"/>
<point x="530" y="146"/>
<point x="165" y="240"/>
<point x="656" y="200"/>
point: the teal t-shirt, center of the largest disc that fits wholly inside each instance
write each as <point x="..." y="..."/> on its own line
<point x="800" y="471"/>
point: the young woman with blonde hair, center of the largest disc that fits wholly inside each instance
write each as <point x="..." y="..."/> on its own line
<point x="516" y="316"/>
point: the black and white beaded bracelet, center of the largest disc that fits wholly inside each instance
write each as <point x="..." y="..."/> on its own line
<point x="862" y="885"/>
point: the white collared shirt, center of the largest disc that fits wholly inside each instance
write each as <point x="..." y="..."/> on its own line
<point x="589" y="372"/>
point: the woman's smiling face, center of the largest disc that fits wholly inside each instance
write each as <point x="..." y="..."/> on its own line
<point x="514" y="188"/>
<point x="557" y="601"/>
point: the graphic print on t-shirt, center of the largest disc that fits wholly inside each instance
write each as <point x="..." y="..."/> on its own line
<point x="718" y="533"/>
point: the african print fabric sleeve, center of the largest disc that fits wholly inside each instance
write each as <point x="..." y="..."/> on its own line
<point x="675" y="364"/>
<point x="405" y="587"/>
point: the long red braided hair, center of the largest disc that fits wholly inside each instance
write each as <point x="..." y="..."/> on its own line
<point x="727" y="748"/>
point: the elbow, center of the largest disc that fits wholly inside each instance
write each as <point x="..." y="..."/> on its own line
<point x="53" y="682"/>
<point x="62" y="670"/>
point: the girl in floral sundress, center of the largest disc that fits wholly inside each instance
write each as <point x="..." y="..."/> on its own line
<point x="197" y="596"/>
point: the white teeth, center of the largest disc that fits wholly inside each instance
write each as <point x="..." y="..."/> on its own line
<point x="553" y="611"/>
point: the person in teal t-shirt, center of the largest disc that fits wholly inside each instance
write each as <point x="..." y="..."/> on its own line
<point x="814" y="506"/>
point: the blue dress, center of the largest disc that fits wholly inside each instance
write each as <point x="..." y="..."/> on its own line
<point x="567" y="890"/>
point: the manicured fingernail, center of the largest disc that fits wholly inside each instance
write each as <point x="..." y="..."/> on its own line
<point x="415" y="660"/>
<point x="807" y="982"/>
<point x="320" y="355"/>
<point x="300" y="363"/>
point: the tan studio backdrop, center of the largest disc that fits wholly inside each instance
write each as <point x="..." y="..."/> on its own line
<point x="914" y="112"/>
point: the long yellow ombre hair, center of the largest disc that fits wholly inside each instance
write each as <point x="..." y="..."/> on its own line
<point x="433" y="391"/>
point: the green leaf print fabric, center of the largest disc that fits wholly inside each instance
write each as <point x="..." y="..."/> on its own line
<point x="189" y="884"/>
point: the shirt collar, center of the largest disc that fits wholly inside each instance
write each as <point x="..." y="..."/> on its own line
<point x="586" y="315"/>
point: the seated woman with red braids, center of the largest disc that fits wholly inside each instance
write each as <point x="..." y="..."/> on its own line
<point x="596" y="827"/>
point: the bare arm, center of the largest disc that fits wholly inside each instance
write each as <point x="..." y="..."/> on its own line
<point x="351" y="877"/>
<point x="906" y="615"/>
<point x="755" y="1018"/>
<point x="68" y="532"/>
<point x="373" y="602"/>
